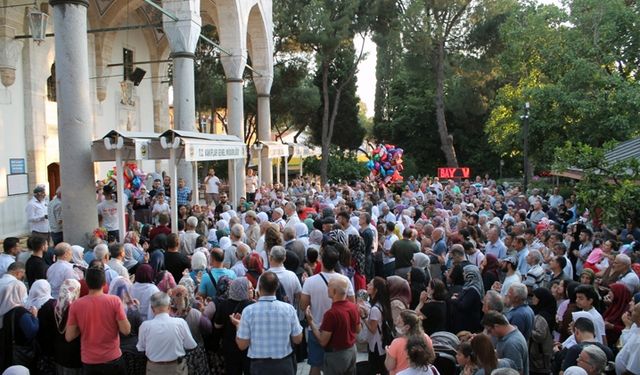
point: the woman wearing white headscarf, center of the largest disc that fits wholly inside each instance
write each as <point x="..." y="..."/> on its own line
<point x="77" y="259"/>
<point x="52" y="318"/>
<point x="198" y="266"/>
<point x="302" y="234"/>
<point x="20" y="326"/>
<point x="39" y="294"/>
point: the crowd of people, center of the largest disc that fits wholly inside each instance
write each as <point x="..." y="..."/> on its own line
<point x="436" y="277"/>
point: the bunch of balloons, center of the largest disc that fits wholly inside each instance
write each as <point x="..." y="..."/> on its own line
<point x="386" y="164"/>
<point x="133" y="178"/>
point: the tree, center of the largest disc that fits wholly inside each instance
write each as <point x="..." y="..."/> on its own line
<point x="323" y="27"/>
<point x="578" y="68"/>
<point x="348" y="131"/>
<point x="441" y="24"/>
<point x="611" y="188"/>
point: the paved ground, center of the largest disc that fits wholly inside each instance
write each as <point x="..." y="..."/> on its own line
<point x="303" y="367"/>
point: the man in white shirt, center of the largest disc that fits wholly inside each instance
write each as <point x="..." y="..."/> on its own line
<point x="388" y="260"/>
<point x="344" y="221"/>
<point x="37" y="213"/>
<point x="235" y="234"/>
<point x="61" y="270"/>
<point x="288" y="279"/>
<point x="116" y="262"/>
<point x="622" y="266"/>
<point x="11" y="248"/>
<point x="251" y="183"/>
<point x="315" y="294"/>
<point x="212" y="187"/>
<point x="292" y="215"/>
<point x="108" y="209"/>
<point x="164" y="339"/>
<point x="586" y="296"/>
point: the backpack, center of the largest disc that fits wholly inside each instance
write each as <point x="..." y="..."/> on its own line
<point x="387" y="331"/>
<point x="221" y="286"/>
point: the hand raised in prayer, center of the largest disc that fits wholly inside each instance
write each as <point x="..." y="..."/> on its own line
<point x="33" y="311"/>
<point x="424" y="297"/>
<point x="235" y="319"/>
<point x="497" y="286"/>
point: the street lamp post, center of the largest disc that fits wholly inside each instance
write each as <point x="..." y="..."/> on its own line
<point x="525" y="119"/>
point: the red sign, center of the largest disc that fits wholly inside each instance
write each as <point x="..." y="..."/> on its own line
<point x="454" y="172"/>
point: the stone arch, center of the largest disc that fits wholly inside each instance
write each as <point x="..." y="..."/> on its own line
<point x="260" y="47"/>
<point x="230" y="21"/>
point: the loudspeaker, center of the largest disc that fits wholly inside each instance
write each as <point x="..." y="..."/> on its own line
<point x="137" y="75"/>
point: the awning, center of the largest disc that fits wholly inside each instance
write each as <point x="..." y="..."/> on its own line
<point x="136" y="146"/>
<point x="206" y="147"/>
<point x="274" y="149"/>
<point x="303" y="151"/>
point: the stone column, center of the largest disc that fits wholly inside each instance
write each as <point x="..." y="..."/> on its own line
<point x="263" y="87"/>
<point x="233" y="67"/>
<point x="74" y="119"/>
<point x="183" y="37"/>
<point x="35" y="72"/>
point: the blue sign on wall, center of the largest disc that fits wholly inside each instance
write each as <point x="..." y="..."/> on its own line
<point x="17" y="166"/>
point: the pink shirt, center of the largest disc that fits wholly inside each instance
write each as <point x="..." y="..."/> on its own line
<point x="596" y="256"/>
<point x="398" y="351"/>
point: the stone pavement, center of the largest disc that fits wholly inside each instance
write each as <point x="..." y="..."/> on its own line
<point x="303" y="367"/>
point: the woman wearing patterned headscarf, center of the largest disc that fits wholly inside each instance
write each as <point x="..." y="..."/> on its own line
<point x="165" y="281"/>
<point x="467" y="306"/>
<point x="240" y="296"/>
<point x="52" y="318"/>
<point x="143" y="288"/>
<point x="182" y="299"/>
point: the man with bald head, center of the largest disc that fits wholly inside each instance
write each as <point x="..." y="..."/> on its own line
<point x="62" y="269"/>
<point x="337" y="334"/>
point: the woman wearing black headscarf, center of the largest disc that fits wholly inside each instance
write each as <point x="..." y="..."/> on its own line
<point x="418" y="283"/>
<point x="541" y="344"/>
<point x="467" y="305"/>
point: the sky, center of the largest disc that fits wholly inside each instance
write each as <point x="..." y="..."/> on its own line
<point x="367" y="68"/>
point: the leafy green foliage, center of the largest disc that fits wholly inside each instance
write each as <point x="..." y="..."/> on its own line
<point x="579" y="71"/>
<point x="612" y="187"/>
<point x="348" y="130"/>
<point x="343" y="166"/>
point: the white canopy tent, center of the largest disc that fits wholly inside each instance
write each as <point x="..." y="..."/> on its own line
<point x="194" y="147"/>
<point x="273" y="150"/>
<point x="120" y="146"/>
<point x="303" y="152"/>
